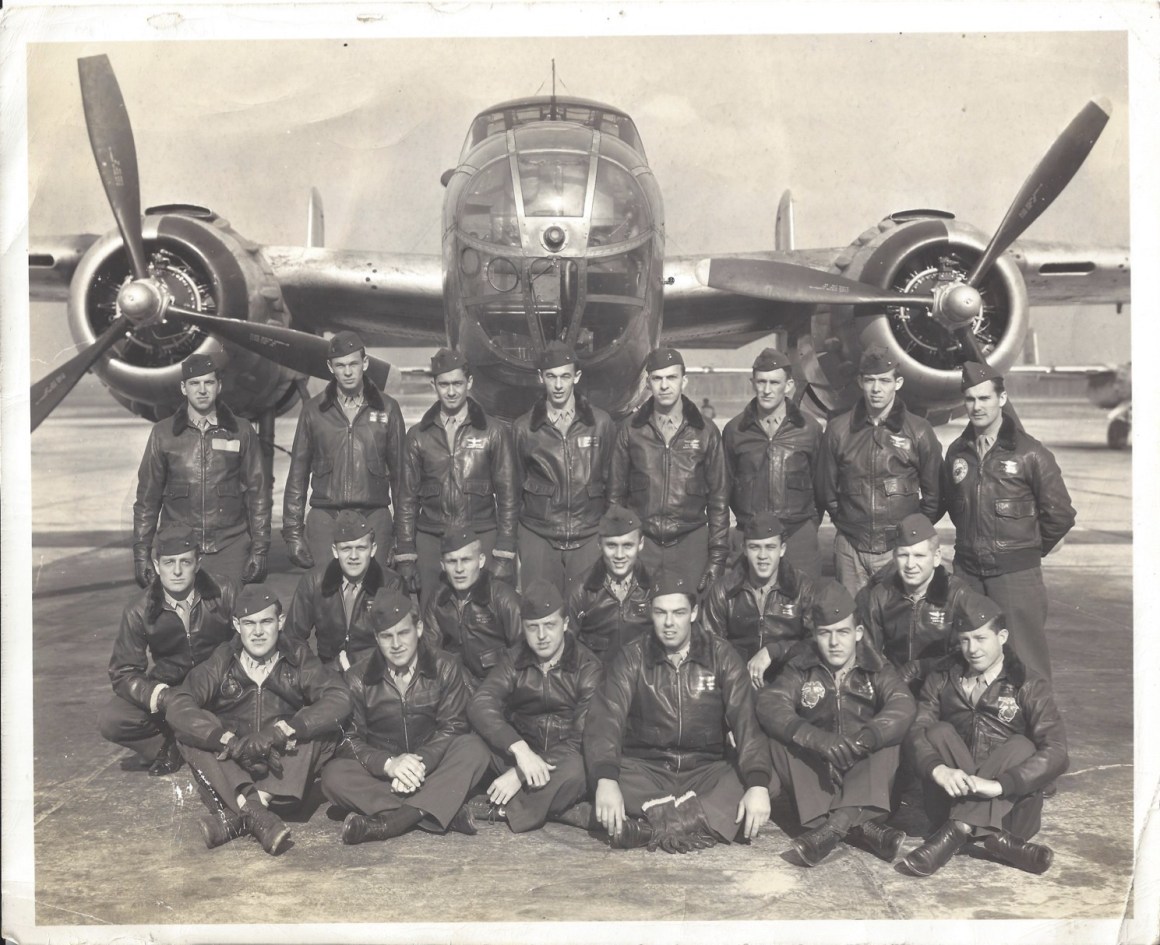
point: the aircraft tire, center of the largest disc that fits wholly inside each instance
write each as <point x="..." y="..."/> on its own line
<point x="1119" y="434"/>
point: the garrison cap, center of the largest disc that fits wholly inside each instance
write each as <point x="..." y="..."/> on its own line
<point x="175" y="540"/>
<point x="389" y="607"/>
<point x="557" y="354"/>
<point x="447" y="360"/>
<point x="876" y="360"/>
<point x="975" y="373"/>
<point x="832" y="604"/>
<point x="976" y="611"/>
<point x="343" y="343"/>
<point x="770" y="359"/>
<point x="911" y="530"/>
<point x="196" y="365"/>
<point x="670" y="582"/>
<point x="618" y="521"/>
<point x="764" y="525"/>
<point x="540" y="599"/>
<point x="455" y="538"/>
<point x="254" y="598"/>
<point x="350" y="525"/>
<point x="660" y="358"/>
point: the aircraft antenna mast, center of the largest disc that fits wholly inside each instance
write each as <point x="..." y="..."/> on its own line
<point x="552" y="107"/>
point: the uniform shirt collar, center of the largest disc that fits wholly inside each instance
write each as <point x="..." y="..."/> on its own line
<point x="988" y="677"/>
<point x="257" y="670"/>
<point x="198" y="422"/>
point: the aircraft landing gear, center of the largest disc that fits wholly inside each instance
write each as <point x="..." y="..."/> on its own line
<point x="1120" y="428"/>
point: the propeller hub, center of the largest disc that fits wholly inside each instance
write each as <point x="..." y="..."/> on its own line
<point x="141" y="301"/>
<point x="957" y="305"/>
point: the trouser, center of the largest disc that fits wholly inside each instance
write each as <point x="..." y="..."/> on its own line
<point x="225" y="779"/>
<point x="349" y="785"/>
<point x="566" y="568"/>
<point x="1023" y="598"/>
<point x="807" y="776"/>
<point x="532" y="807"/>
<point x="716" y="785"/>
<point x="230" y="558"/>
<point x="132" y="727"/>
<point x="854" y="568"/>
<point x="687" y="555"/>
<point x="430" y="560"/>
<point x="320" y="533"/>
<point x="1020" y="816"/>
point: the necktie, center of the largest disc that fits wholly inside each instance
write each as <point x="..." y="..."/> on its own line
<point x="181" y="607"/>
<point x="978" y="687"/>
<point x="984" y="443"/>
<point x="349" y="593"/>
<point x="450" y="424"/>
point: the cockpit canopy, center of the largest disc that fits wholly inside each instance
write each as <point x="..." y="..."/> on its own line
<point x="510" y="115"/>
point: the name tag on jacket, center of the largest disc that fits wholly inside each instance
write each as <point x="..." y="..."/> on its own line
<point x="230" y="446"/>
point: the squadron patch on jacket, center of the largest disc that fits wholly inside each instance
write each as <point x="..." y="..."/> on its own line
<point x="230" y="687"/>
<point x="703" y="682"/>
<point x="812" y="693"/>
<point x="1007" y="708"/>
<point x="586" y="441"/>
<point x="788" y="608"/>
<point x="1009" y="466"/>
<point x="959" y="470"/>
<point x="900" y="442"/>
<point x="475" y="443"/>
<point x="937" y="618"/>
<point x="230" y="446"/>
<point x="693" y="444"/>
<point x="377" y="416"/>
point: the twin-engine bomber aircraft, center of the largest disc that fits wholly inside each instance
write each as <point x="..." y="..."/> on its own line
<point x="553" y="228"/>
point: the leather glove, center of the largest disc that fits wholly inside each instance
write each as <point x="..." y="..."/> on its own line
<point x="143" y="572"/>
<point x="255" y="569"/>
<point x="665" y="822"/>
<point x="263" y="742"/>
<point x="299" y="553"/>
<point x="693" y="824"/>
<point x="852" y="749"/>
<point x="910" y="671"/>
<point x="812" y="738"/>
<point x="712" y="572"/>
<point x="504" y="569"/>
<point x="409" y="572"/>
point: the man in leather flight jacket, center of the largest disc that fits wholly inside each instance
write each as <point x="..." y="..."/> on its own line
<point x="562" y="448"/>
<point x="987" y="739"/>
<point x="836" y="717"/>
<point x="203" y="468"/>
<point x="348" y="446"/>
<point x="176" y="623"/>
<point x="1007" y="498"/>
<point x="256" y="721"/>
<point x="407" y="759"/>
<point x="772" y="451"/>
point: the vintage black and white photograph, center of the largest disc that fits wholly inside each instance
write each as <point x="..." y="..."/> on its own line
<point x="500" y="474"/>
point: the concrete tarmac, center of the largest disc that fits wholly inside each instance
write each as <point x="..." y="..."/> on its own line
<point x="120" y="847"/>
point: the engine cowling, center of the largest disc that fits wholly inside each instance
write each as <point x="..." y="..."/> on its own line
<point x="208" y="267"/>
<point x="912" y="252"/>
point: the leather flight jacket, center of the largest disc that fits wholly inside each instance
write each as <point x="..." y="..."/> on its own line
<point x="562" y="477"/>
<point x="1010" y="509"/>
<point x="317" y="606"/>
<point x="907" y="630"/>
<point x="212" y="482"/>
<point x="1017" y="702"/>
<point x="519" y="702"/>
<point x="603" y="623"/>
<point x="477" y="626"/>
<point x="870" y="477"/>
<point x="149" y="632"/>
<point x="472" y="486"/>
<point x="218" y="697"/>
<point x="731" y="611"/>
<point x="387" y="721"/>
<point x="648" y="709"/>
<point x="674" y="488"/>
<point x="349" y="464"/>
<point x="872" y="699"/>
<point x="773" y="474"/>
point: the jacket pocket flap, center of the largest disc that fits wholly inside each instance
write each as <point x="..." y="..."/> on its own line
<point x="638" y="481"/>
<point x="177" y="489"/>
<point x="1014" y="508"/>
<point x="539" y="487"/>
<point x="900" y="485"/>
<point x="431" y="487"/>
<point x="229" y="487"/>
<point x="799" y="480"/>
<point x="322" y="464"/>
<point x="477" y="486"/>
<point x="489" y="658"/>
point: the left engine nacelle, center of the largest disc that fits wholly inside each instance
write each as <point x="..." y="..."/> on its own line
<point x="207" y="267"/>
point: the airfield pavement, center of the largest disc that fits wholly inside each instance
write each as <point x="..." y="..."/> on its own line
<point x="123" y="848"/>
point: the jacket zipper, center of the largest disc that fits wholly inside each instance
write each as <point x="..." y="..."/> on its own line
<point x="910" y="635"/>
<point x="203" y="461"/>
<point x="838" y="697"/>
<point x="567" y="487"/>
<point x="680" y="715"/>
<point x="544" y="696"/>
<point x="403" y="699"/>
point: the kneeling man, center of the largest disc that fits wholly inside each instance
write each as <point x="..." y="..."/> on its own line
<point x="408" y="760"/>
<point x="836" y="717"/>
<point x="987" y="740"/>
<point x="655" y="740"/>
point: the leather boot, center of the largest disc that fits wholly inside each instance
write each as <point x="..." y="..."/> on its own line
<point x="815" y="845"/>
<point x="884" y="842"/>
<point x="1032" y="857"/>
<point x="935" y="852"/>
<point x="168" y="759"/>
<point x="266" y="826"/>
<point x="222" y="826"/>
<point x="635" y="833"/>
<point x="359" y="828"/>
<point x="463" y="822"/>
<point x="482" y="809"/>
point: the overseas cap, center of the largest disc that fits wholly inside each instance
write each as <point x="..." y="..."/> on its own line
<point x="832" y="603"/>
<point x="764" y="525"/>
<point x="455" y="538"/>
<point x="975" y="373"/>
<point x="770" y="359"/>
<point x="196" y="365"/>
<point x="976" y="611"/>
<point x="389" y="607"/>
<point x="670" y="582"/>
<point x="660" y="358"/>
<point x="446" y="360"/>
<point x="557" y="354"/>
<point x="876" y="360"/>
<point x="343" y="343"/>
<point x="350" y="525"/>
<point x="541" y="599"/>
<point x="618" y="521"/>
<point x="914" y="528"/>
<point x="254" y="598"/>
<point x="175" y="540"/>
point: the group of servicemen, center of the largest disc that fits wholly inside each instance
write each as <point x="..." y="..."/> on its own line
<point x="653" y="681"/>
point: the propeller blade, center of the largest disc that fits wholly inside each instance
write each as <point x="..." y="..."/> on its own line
<point x="1047" y="181"/>
<point x="52" y="389"/>
<point x="970" y="344"/>
<point x="111" y="136"/>
<point x="786" y="282"/>
<point x="298" y="350"/>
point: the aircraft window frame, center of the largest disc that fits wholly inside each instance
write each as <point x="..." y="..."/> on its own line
<point x="511" y="215"/>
